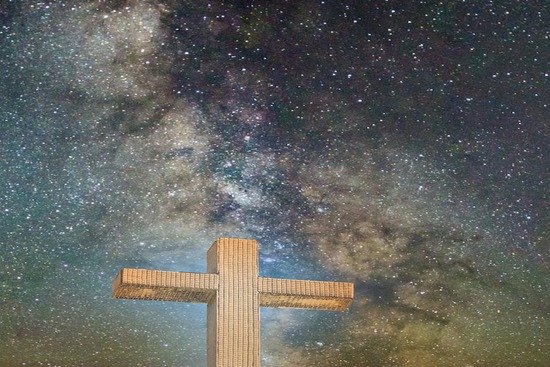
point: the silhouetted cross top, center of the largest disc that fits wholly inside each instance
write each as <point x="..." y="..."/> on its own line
<point x="234" y="293"/>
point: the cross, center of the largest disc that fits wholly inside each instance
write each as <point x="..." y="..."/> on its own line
<point x="234" y="293"/>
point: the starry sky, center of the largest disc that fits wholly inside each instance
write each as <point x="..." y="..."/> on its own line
<point x="401" y="145"/>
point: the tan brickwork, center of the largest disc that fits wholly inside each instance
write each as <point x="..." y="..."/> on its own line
<point x="334" y="296"/>
<point x="165" y="285"/>
<point x="234" y="325"/>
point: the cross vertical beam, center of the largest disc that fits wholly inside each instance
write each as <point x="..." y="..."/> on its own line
<point x="233" y="335"/>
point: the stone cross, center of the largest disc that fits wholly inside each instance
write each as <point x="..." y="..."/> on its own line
<point x="234" y="293"/>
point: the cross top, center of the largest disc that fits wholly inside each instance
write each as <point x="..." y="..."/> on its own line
<point x="234" y="292"/>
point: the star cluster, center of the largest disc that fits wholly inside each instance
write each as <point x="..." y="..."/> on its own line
<point x="401" y="145"/>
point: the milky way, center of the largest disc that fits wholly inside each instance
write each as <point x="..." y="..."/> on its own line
<point x="399" y="145"/>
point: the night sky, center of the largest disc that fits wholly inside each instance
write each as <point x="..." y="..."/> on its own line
<point x="401" y="145"/>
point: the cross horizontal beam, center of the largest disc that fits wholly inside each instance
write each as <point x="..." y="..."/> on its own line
<point x="310" y="294"/>
<point x="160" y="285"/>
<point x="165" y="285"/>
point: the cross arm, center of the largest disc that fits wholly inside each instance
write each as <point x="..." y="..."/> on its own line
<point x="305" y="294"/>
<point x="164" y="285"/>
